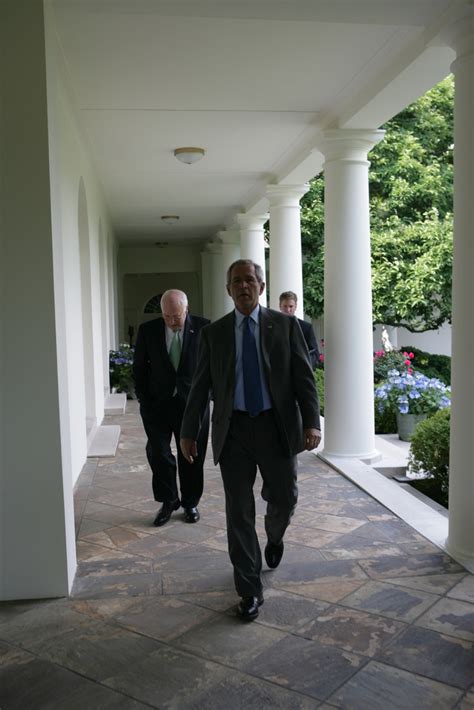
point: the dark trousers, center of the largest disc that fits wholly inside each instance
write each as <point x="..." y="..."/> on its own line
<point x="253" y="442"/>
<point x="161" y="422"/>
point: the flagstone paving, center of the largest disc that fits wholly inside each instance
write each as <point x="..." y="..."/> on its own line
<point x="363" y="612"/>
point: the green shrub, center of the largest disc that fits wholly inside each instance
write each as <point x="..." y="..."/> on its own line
<point x="429" y="452"/>
<point x="319" y="379"/>
<point x="385" y="421"/>
<point x="438" y="366"/>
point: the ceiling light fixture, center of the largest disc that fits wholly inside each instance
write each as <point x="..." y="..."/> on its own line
<point x="189" y="155"/>
<point x="170" y="218"/>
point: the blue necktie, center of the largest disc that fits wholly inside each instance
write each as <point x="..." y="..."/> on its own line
<point x="251" y="371"/>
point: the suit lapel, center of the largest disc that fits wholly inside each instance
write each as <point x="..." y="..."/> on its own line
<point x="266" y="335"/>
<point x="162" y="344"/>
<point x="228" y="336"/>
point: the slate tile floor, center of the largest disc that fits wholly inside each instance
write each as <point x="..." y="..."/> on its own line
<point x="362" y="613"/>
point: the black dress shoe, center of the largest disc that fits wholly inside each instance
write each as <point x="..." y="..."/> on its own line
<point x="191" y="515"/>
<point x="273" y="554"/>
<point x="164" y="513"/>
<point x="248" y="607"/>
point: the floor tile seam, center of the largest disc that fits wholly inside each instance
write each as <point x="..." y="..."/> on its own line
<point x="37" y="656"/>
<point x="248" y="672"/>
<point x="430" y="628"/>
<point x="111" y="561"/>
<point x="304" y="596"/>
<point x="96" y="544"/>
<point x="395" y="639"/>
<point x="86" y="499"/>
<point x="325" y="644"/>
<point x="442" y="595"/>
<point x="421" y="676"/>
<point x="413" y="621"/>
<point x="343" y="608"/>
<point x="362" y="559"/>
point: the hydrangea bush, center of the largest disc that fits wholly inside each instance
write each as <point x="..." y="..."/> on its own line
<point x="393" y="360"/>
<point x="412" y="393"/>
<point x="120" y="368"/>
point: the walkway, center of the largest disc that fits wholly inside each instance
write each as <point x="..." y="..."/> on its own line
<point x="363" y="612"/>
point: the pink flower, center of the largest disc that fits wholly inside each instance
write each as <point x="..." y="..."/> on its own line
<point x="411" y="356"/>
<point x="407" y="362"/>
<point x="321" y="358"/>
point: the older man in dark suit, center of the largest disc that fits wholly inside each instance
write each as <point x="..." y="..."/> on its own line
<point x="288" y="303"/>
<point x="164" y="363"/>
<point x="265" y="412"/>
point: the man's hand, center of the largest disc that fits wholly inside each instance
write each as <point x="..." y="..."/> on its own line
<point x="312" y="437"/>
<point x="188" y="449"/>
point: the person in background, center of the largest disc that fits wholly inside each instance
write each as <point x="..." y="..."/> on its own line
<point x="164" y="363"/>
<point x="266" y="411"/>
<point x="288" y="304"/>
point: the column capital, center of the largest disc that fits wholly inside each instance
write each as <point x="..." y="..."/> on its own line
<point x="247" y="220"/>
<point x="286" y="195"/>
<point x="348" y="143"/>
<point x="459" y="33"/>
<point x="229" y="236"/>
<point x="212" y="248"/>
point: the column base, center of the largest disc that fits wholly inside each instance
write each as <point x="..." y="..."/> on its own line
<point x="366" y="457"/>
<point x="464" y="557"/>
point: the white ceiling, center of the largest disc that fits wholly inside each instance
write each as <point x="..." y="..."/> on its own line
<point x="253" y="83"/>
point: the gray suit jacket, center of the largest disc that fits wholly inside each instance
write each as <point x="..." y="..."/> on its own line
<point x="288" y="372"/>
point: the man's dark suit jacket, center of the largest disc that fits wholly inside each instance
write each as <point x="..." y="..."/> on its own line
<point x="155" y="376"/>
<point x="311" y="342"/>
<point x="289" y="377"/>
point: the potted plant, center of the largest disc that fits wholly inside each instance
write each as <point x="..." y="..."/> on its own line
<point x="120" y="369"/>
<point x="413" y="397"/>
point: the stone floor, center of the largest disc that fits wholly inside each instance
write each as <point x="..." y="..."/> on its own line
<point x="363" y="612"/>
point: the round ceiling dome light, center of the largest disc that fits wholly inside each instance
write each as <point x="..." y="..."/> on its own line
<point x="189" y="155"/>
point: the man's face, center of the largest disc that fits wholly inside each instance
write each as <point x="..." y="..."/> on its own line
<point x="288" y="306"/>
<point x="244" y="288"/>
<point x="174" y="314"/>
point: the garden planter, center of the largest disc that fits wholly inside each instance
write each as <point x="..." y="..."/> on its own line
<point x="407" y="423"/>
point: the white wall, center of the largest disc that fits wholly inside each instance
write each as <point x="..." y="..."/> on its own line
<point x="437" y="342"/>
<point x="71" y="167"/>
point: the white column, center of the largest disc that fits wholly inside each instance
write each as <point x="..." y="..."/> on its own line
<point x="349" y="387"/>
<point x="37" y="550"/>
<point x="252" y="243"/>
<point x="461" y="469"/>
<point x="206" y="284"/>
<point x="230" y="240"/>
<point x="286" y="269"/>
<point x="218" y="291"/>
<point x="230" y="252"/>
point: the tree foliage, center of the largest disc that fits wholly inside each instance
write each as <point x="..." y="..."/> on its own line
<point x="411" y="218"/>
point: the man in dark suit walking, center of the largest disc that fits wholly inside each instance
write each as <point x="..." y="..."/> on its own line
<point x="265" y="412"/>
<point x="164" y="362"/>
<point x="288" y="304"/>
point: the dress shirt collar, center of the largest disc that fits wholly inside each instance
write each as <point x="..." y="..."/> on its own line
<point x="254" y="315"/>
